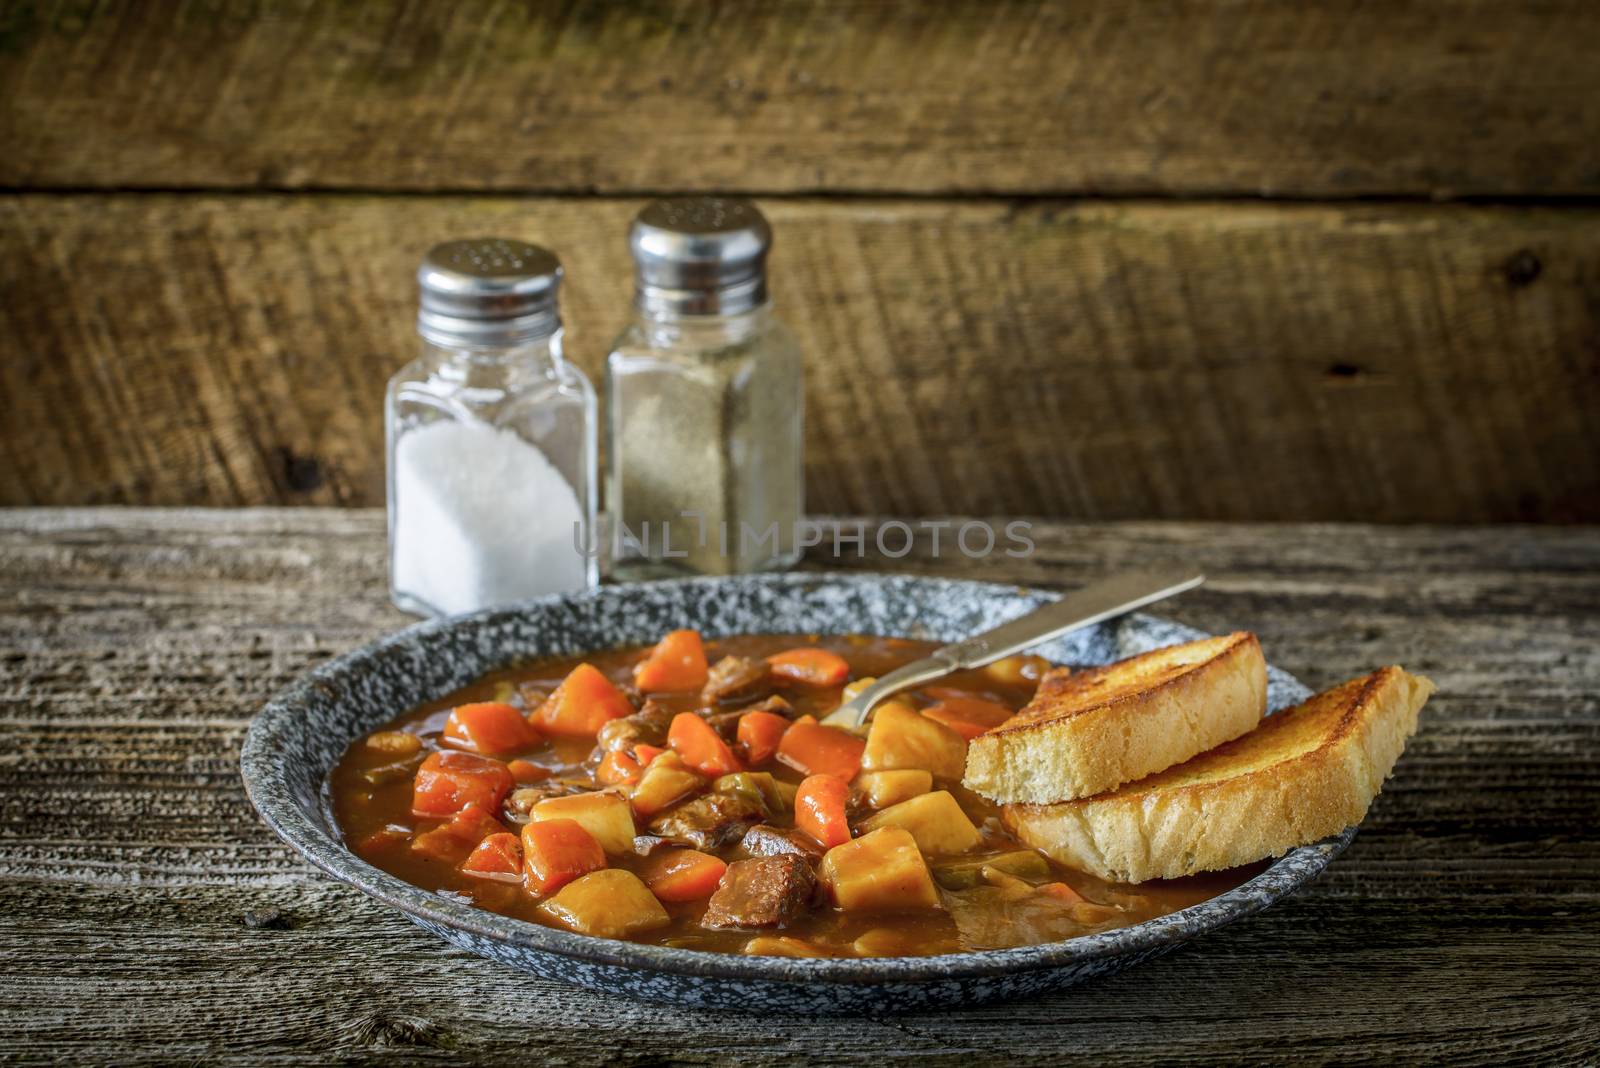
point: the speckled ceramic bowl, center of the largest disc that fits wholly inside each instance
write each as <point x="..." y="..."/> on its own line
<point x="297" y="738"/>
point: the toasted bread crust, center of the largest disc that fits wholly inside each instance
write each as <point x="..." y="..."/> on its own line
<point x="1305" y="773"/>
<point x="1091" y="731"/>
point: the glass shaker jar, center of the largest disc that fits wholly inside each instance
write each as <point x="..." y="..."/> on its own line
<point x="491" y="438"/>
<point x="704" y="395"/>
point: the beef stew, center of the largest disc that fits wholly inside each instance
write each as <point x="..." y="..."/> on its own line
<point x="687" y="794"/>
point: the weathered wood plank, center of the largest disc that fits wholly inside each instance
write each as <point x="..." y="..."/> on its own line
<point x="135" y="644"/>
<point x="1429" y="97"/>
<point x="1091" y="360"/>
<point x="1247" y="994"/>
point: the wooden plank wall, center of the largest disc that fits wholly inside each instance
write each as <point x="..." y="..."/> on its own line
<point x="1122" y="258"/>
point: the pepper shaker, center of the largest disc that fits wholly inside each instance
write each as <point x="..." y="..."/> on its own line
<point x="704" y="463"/>
<point x="491" y="438"/>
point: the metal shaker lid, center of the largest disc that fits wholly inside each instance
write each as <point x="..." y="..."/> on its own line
<point x="489" y="292"/>
<point x="700" y="256"/>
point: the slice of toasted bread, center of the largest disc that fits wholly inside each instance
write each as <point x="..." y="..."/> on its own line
<point x="1090" y="731"/>
<point x="1303" y="774"/>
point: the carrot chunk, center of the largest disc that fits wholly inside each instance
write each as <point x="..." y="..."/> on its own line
<point x="759" y="736"/>
<point x="584" y="702"/>
<point x="819" y="809"/>
<point x="555" y="852"/>
<point x="380" y="842"/>
<point x="644" y="754"/>
<point x="489" y="727"/>
<point x="449" y="781"/>
<point x="966" y="715"/>
<point x="498" y="856"/>
<point x="526" y="772"/>
<point x="1061" y="891"/>
<point x="678" y="662"/>
<point x="698" y="743"/>
<point x="439" y="844"/>
<point x="810" y="667"/>
<point x="967" y="730"/>
<point x="617" y="769"/>
<point x="455" y="839"/>
<point x="812" y="749"/>
<point x="683" y="874"/>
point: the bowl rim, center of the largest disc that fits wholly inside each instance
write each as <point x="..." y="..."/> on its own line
<point x="264" y="765"/>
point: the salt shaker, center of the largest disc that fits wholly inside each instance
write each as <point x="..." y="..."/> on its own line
<point x="491" y="438"/>
<point x="704" y="400"/>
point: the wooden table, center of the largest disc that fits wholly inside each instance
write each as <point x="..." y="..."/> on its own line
<point x="148" y="916"/>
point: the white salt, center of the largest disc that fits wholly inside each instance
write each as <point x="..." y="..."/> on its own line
<point x="481" y="518"/>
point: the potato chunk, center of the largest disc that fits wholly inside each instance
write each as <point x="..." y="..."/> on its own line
<point x="605" y="816"/>
<point x="881" y="870"/>
<point x="903" y="738"/>
<point x="935" y="820"/>
<point x="887" y="942"/>
<point x="666" y="781"/>
<point x="780" y="946"/>
<point x="394" y="743"/>
<point x="885" y="788"/>
<point x="611" y="903"/>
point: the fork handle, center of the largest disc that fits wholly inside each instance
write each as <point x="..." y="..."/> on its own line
<point x="1084" y="607"/>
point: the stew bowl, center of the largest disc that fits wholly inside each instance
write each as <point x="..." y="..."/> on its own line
<point x="295" y="740"/>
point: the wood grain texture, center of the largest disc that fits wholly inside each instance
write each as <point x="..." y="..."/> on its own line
<point x="1432" y="98"/>
<point x="1461" y="927"/>
<point x="1103" y="360"/>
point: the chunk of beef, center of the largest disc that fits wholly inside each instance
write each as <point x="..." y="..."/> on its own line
<point x="726" y="724"/>
<point x="520" y="802"/>
<point x="774" y="704"/>
<point x="763" y="892"/>
<point x="764" y="840"/>
<point x="648" y="726"/>
<point x="646" y="844"/>
<point x="732" y="677"/>
<point x="710" y="821"/>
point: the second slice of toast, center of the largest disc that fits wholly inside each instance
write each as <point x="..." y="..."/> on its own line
<point x="1304" y="773"/>
<point x="1086" y="732"/>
